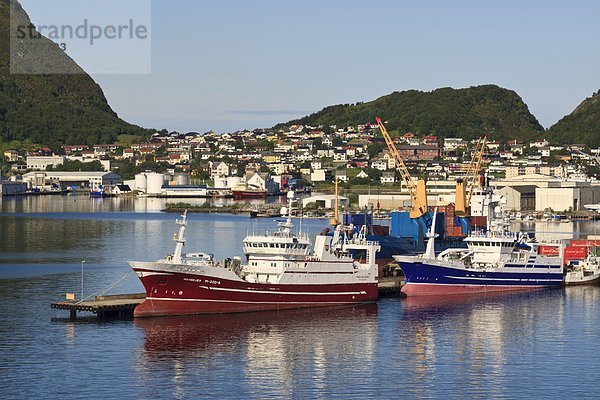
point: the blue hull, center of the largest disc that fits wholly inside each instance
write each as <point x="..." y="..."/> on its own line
<point x="427" y="279"/>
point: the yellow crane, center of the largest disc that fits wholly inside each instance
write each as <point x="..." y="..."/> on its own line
<point x="417" y="191"/>
<point x="467" y="186"/>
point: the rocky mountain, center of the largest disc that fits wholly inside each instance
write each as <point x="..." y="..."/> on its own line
<point x="581" y="126"/>
<point x="64" y="107"/>
<point x="445" y="112"/>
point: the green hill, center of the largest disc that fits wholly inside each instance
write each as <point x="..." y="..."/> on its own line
<point x="581" y="126"/>
<point x="51" y="109"/>
<point x="446" y="112"/>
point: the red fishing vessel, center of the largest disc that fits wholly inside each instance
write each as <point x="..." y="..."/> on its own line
<point x="282" y="271"/>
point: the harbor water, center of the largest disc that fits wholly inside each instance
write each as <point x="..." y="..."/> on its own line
<point x="542" y="344"/>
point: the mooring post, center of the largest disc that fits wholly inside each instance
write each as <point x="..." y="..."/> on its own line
<point x="73" y="315"/>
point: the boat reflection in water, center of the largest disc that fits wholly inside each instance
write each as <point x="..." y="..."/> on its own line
<point x="262" y="354"/>
<point x="485" y="328"/>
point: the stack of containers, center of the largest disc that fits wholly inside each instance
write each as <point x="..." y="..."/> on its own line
<point x="579" y="249"/>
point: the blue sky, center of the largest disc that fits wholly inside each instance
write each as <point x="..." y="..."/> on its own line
<point x="235" y="64"/>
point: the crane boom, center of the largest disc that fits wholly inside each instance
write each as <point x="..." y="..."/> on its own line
<point x="465" y="190"/>
<point x="475" y="167"/>
<point x="415" y="190"/>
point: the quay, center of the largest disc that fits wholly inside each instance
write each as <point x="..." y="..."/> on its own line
<point x="118" y="306"/>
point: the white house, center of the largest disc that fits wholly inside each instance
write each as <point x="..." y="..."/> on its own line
<point x="219" y="170"/>
<point x="388" y="177"/>
<point x="39" y="163"/>
<point x="380" y="164"/>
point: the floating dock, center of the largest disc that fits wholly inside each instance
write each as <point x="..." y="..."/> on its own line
<point x="118" y="306"/>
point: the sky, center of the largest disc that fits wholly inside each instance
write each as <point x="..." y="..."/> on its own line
<point x="228" y="65"/>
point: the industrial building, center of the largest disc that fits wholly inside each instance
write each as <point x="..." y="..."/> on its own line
<point x="79" y="179"/>
<point x="533" y="192"/>
<point x="12" y="188"/>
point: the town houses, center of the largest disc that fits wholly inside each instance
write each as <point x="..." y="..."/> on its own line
<point x="314" y="154"/>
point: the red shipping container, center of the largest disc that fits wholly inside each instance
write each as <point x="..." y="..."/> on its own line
<point x="479" y="221"/>
<point x="548" y="250"/>
<point x="454" y="231"/>
<point x="584" y="242"/>
<point x="575" y="253"/>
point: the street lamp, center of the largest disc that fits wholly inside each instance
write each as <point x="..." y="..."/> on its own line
<point x="82" y="262"/>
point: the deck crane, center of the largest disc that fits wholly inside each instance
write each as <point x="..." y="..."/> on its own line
<point x="467" y="186"/>
<point x="417" y="190"/>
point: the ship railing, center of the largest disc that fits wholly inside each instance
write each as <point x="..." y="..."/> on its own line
<point x="494" y="234"/>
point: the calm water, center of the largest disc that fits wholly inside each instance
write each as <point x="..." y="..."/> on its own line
<point x="534" y="345"/>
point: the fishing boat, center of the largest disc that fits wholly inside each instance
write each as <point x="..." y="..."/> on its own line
<point x="248" y="191"/>
<point x="494" y="260"/>
<point x="583" y="272"/>
<point x="282" y="271"/>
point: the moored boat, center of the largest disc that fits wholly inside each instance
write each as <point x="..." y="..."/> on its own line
<point x="496" y="260"/>
<point x="583" y="272"/>
<point x="245" y="191"/>
<point x="282" y="271"/>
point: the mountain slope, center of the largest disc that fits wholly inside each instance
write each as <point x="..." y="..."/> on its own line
<point x="581" y="126"/>
<point x="66" y="108"/>
<point x="446" y="112"/>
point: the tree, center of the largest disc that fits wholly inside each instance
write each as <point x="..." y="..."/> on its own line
<point x="375" y="148"/>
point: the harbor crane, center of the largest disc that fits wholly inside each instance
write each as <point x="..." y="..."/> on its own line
<point x="417" y="191"/>
<point x="472" y="180"/>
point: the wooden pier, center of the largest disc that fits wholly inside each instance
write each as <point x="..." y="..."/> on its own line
<point x="119" y="306"/>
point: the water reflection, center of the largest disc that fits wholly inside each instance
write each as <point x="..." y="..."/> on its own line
<point x="83" y="203"/>
<point x="473" y="338"/>
<point x="279" y="353"/>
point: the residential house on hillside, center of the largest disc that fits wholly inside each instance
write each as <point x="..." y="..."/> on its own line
<point x="263" y="181"/>
<point x="379" y="164"/>
<point x="420" y="152"/>
<point x="431" y="141"/>
<point x="219" y="170"/>
<point x="455" y="143"/>
<point x="362" y="174"/>
<point x="341" y="175"/>
<point x="388" y="177"/>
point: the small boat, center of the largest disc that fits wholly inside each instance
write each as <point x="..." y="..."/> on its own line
<point x="257" y="213"/>
<point x="97" y="192"/>
<point x="592" y="207"/>
<point x="282" y="271"/>
<point x="583" y="272"/>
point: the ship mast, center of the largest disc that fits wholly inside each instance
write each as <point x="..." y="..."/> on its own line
<point x="179" y="237"/>
<point x="287" y="225"/>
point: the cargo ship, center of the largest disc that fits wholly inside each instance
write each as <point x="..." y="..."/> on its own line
<point x="495" y="260"/>
<point x="282" y="271"/>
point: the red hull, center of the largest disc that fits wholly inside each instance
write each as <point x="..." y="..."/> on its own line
<point x="181" y="294"/>
<point x="415" y="289"/>
<point x="248" y="194"/>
